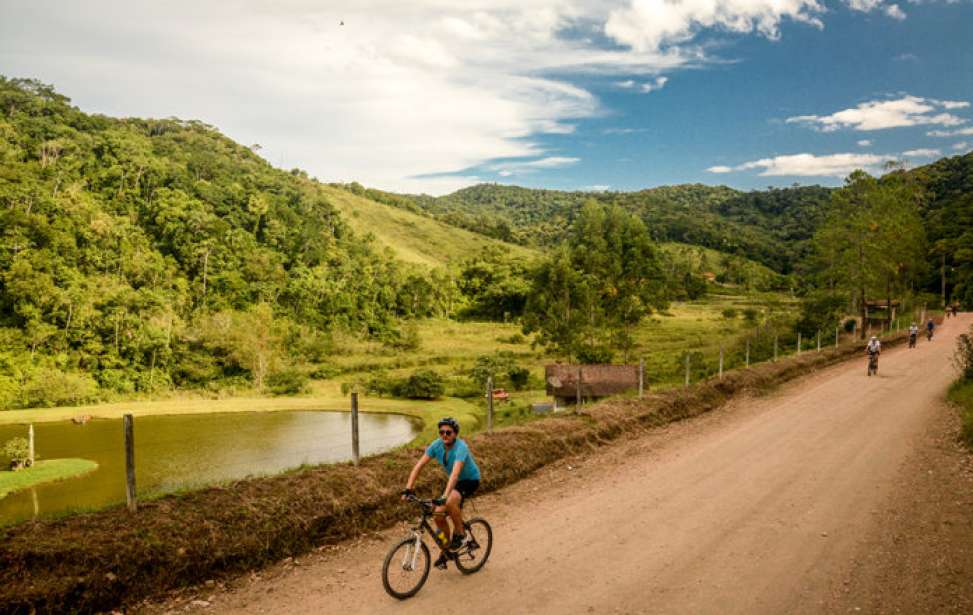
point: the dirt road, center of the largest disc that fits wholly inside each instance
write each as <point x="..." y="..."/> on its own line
<point x="766" y="506"/>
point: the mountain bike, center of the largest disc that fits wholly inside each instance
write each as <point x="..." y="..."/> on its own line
<point x="872" y="363"/>
<point x="407" y="564"/>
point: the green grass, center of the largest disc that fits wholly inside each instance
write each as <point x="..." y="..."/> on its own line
<point x="44" y="471"/>
<point x="414" y="238"/>
<point x="961" y="393"/>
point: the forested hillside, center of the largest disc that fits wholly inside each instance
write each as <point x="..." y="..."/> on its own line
<point x="138" y="254"/>
<point x="771" y="227"/>
<point x="947" y="211"/>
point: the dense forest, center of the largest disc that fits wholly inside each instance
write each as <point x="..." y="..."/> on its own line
<point x="774" y="227"/>
<point x="142" y="254"/>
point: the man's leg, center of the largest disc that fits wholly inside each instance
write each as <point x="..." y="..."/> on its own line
<point x="455" y="513"/>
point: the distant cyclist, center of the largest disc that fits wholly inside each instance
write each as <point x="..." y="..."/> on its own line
<point x="913" y="334"/>
<point x="464" y="479"/>
<point x="929" y="328"/>
<point x="874" y="346"/>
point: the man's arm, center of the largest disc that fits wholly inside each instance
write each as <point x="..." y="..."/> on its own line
<point x="453" y="478"/>
<point x="414" y="475"/>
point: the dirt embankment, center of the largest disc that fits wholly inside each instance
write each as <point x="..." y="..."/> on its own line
<point x="99" y="561"/>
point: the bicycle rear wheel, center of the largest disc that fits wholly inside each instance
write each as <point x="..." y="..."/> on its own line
<point x="405" y="571"/>
<point x="475" y="553"/>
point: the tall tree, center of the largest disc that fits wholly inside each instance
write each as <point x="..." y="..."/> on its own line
<point x="871" y="239"/>
<point x="589" y="296"/>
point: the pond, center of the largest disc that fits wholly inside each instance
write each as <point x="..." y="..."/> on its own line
<point x="176" y="452"/>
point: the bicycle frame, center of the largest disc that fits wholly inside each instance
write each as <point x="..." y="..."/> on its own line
<point x="417" y="531"/>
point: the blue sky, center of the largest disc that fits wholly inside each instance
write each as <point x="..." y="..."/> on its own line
<point x="431" y="95"/>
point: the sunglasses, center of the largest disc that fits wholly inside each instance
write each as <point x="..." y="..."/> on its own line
<point x="445" y="432"/>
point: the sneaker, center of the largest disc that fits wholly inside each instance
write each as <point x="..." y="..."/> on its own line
<point x="441" y="562"/>
<point x="457" y="542"/>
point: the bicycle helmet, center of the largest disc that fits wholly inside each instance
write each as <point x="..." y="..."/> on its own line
<point x="451" y="422"/>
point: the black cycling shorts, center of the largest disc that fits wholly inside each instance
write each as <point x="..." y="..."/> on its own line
<point x="466" y="488"/>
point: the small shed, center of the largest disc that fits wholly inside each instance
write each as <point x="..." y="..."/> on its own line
<point x="596" y="381"/>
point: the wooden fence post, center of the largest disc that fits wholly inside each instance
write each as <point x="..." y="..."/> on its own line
<point x="129" y="424"/>
<point x="798" y="343"/>
<point x="687" y="369"/>
<point x="30" y="444"/>
<point x="721" y="361"/>
<point x="775" y="346"/>
<point x="641" y="377"/>
<point x="577" y="405"/>
<point x="748" y="353"/>
<point x="355" y="458"/>
<point x="819" y="340"/>
<point x="836" y="338"/>
<point x="490" y="404"/>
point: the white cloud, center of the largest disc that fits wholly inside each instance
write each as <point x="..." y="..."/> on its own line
<point x="621" y="131"/>
<point x="960" y="132"/>
<point x="403" y="96"/>
<point x="864" y="6"/>
<point x="894" y="12"/>
<point x="961" y="146"/>
<point x="880" y="114"/>
<point x="867" y="6"/>
<point x="651" y="25"/>
<point x="809" y="165"/>
<point x="516" y="167"/>
<point x="627" y="84"/>
<point x="652" y="86"/>
<point x="922" y="153"/>
<point x="864" y="143"/>
<point x="597" y="188"/>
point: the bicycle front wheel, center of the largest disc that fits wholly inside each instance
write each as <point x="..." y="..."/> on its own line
<point x="474" y="554"/>
<point x="406" y="568"/>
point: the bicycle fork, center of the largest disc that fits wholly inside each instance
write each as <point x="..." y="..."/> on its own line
<point x="409" y="563"/>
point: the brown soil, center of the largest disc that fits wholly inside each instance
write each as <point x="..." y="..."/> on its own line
<point x="840" y="493"/>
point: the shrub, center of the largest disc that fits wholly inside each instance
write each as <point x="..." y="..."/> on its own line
<point x="406" y="338"/>
<point x="729" y="313"/>
<point x="849" y="325"/>
<point x="516" y="338"/>
<point x="423" y="384"/>
<point x="52" y="387"/>
<point x="519" y="377"/>
<point x="287" y="382"/>
<point x="17" y="450"/>
<point x="751" y="314"/>
<point x="594" y="354"/>
<point x="963" y="357"/>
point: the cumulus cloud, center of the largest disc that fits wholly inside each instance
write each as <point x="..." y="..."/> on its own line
<point x="650" y="25"/>
<point x="894" y="12"/>
<point x="654" y="85"/>
<point x="399" y="95"/>
<point x="922" y="153"/>
<point x="880" y="114"/>
<point x="810" y="165"/>
<point x="960" y="132"/>
<point x="961" y="146"/>
<point x="864" y="143"/>
<point x="867" y="6"/>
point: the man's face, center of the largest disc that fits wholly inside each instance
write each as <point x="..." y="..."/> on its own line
<point x="447" y="434"/>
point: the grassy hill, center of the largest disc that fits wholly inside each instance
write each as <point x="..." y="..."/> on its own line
<point x="412" y="237"/>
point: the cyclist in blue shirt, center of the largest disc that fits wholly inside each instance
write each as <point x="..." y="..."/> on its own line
<point x="464" y="478"/>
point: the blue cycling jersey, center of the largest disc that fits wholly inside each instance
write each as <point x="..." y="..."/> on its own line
<point x="458" y="452"/>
